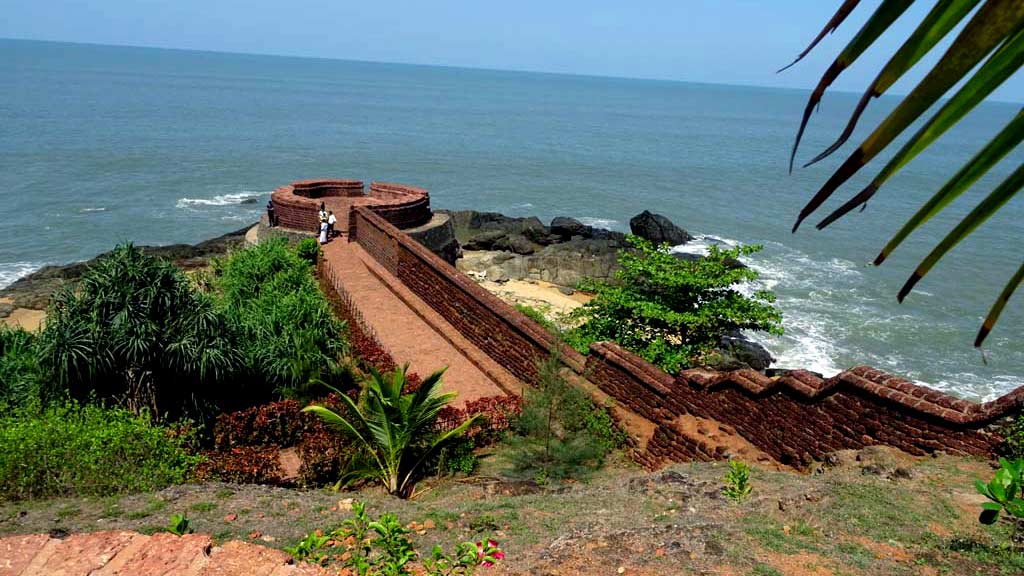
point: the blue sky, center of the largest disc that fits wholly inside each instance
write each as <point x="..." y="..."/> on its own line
<point x="724" y="41"/>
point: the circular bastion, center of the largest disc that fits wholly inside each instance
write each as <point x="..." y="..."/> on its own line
<point x="297" y="205"/>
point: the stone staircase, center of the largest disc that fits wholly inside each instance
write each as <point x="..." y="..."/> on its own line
<point x="117" y="553"/>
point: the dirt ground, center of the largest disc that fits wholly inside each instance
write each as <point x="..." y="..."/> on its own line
<point x="873" y="512"/>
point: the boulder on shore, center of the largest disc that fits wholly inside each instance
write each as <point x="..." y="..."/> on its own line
<point x="658" y="229"/>
<point x="736" y="351"/>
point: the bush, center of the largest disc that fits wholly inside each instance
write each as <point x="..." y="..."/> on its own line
<point x="308" y="249"/>
<point x="87" y="450"/>
<point x="134" y="331"/>
<point x="561" y="433"/>
<point x="671" y="311"/>
<point x="20" y="375"/>
<point x="241" y="465"/>
<point x="537" y="316"/>
<point x="288" y="338"/>
<point x="1013" y="432"/>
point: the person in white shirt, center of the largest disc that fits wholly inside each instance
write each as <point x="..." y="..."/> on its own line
<point x="331" y="220"/>
<point x="323" y="232"/>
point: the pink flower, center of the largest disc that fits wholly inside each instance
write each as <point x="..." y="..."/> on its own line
<point x="491" y="551"/>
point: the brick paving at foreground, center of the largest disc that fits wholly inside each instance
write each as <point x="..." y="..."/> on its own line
<point x="119" y="553"/>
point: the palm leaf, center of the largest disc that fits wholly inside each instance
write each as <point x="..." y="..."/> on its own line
<point x="995" y="200"/>
<point x="996" y="70"/>
<point x="942" y="18"/>
<point x="997" y="307"/>
<point x="990" y="26"/>
<point x="844" y="10"/>
<point x="883" y="17"/>
<point x="983" y="161"/>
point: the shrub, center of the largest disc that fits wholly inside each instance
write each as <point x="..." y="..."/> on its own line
<point x="308" y="249"/>
<point x="134" y="331"/>
<point x="241" y="465"/>
<point x="1005" y="493"/>
<point x="1013" y="432"/>
<point x="288" y="339"/>
<point x="87" y="450"/>
<point x="737" y="481"/>
<point x="560" y="432"/>
<point x="537" y="316"/>
<point x="395" y="432"/>
<point x="670" y="311"/>
<point x="20" y="375"/>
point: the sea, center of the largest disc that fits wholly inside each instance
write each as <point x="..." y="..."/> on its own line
<point x="101" y="145"/>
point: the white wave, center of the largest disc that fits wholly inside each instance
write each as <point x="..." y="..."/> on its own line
<point x="523" y="206"/>
<point x="86" y="210"/>
<point x="606" y="223"/>
<point x="220" y="200"/>
<point x="10" y="272"/>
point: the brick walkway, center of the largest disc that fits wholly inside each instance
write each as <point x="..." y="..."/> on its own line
<point x="134" y="554"/>
<point x="413" y="332"/>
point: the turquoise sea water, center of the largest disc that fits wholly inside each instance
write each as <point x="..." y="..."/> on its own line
<point x="103" y="144"/>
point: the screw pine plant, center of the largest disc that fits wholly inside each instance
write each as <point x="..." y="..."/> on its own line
<point x="394" y="430"/>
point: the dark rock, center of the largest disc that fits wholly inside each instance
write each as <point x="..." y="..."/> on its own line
<point x="872" y="470"/>
<point x="515" y="243"/>
<point x="566" y="290"/>
<point x="731" y="263"/>
<point x="658" y="229"/>
<point x="485" y="240"/>
<point x="33" y="291"/>
<point x="566" y="228"/>
<point x="740" y="349"/>
<point x="248" y="201"/>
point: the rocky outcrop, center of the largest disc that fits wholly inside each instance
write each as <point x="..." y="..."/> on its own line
<point x="658" y="229"/>
<point x="33" y="291"/>
<point x="735" y="352"/>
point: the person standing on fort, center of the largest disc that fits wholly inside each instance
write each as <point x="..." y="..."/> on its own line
<point x="331" y="221"/>
<point x="323" y="232"/>
<point x="271" y="217"/>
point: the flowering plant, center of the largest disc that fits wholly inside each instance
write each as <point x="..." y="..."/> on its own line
<point x="467" y="557"/>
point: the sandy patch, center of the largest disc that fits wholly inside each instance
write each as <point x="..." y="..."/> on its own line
<point x="25" y="318"/>
<point x="544" y="296"/>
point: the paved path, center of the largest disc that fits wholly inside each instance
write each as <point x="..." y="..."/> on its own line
<point x="413" y="332"/>
<point x="134" y="554"/>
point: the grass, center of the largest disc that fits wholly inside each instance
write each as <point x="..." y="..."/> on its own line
<point x="841" y="521"/>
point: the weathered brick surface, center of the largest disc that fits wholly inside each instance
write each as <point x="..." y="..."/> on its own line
<point x="799" y="417"/>
<point x="503" y="333"/>
<point x="296" y="205"/>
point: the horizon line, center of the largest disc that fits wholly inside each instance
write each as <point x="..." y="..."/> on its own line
<point x="471" y="68"/>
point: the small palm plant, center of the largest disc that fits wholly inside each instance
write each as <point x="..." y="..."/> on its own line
<point x="396" y="431"/>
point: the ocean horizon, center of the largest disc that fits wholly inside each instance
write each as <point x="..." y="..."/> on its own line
<point x="104" y="144"/>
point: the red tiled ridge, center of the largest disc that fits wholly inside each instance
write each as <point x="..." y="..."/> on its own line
<point x="121" y="553"/>
<point x="799" y="417"/>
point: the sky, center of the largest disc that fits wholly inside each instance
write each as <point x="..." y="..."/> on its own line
<point x="717" y="41"/>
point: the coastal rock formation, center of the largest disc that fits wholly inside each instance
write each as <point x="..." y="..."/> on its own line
<point x="658" y="229"/>
<point x="736" y="352"/>
<point x="33" y="291"/>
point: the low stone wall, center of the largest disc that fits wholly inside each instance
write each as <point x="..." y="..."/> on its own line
<point x="502" y="332"/>
<point x="315" y="189"/>
<point x="402" y="206"/>
<point x="799" y="418"/>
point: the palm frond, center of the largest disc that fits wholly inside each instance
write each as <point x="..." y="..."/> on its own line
<point x="978" y="166"/>
<point x="837" y="19"/>
<point x="883" y="17"/>
<point x="993" y="202"/>
<point x="998" y="305"/>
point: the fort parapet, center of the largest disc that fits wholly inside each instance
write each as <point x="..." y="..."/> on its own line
<point x="795" y="418"/>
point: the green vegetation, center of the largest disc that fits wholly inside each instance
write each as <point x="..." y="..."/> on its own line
<point x="737" y="481"/>
<point x="537" y="315"/>
<point x="394" y="430"/>
<point x="382" y="548"/>
<point x="560" y="433"/>
<point x="179" y="525"/>
<point x="134" y="331"/>
<point x="1013" y="432"/>
<point x="671" y="311"/>
<point x="287" y="337"/>
<point x="309" y="250"/>
<point x="88" y="450"/>
<point x="1005" y="493"/>
<point x="20" y="375"/>
<point x="985" y="52"/>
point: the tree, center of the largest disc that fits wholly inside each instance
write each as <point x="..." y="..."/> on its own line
<point x="670" y="310"/>
<point x="395" y="430"/>
<point x="992" y="44"/>
<point x="133" y="330"/>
